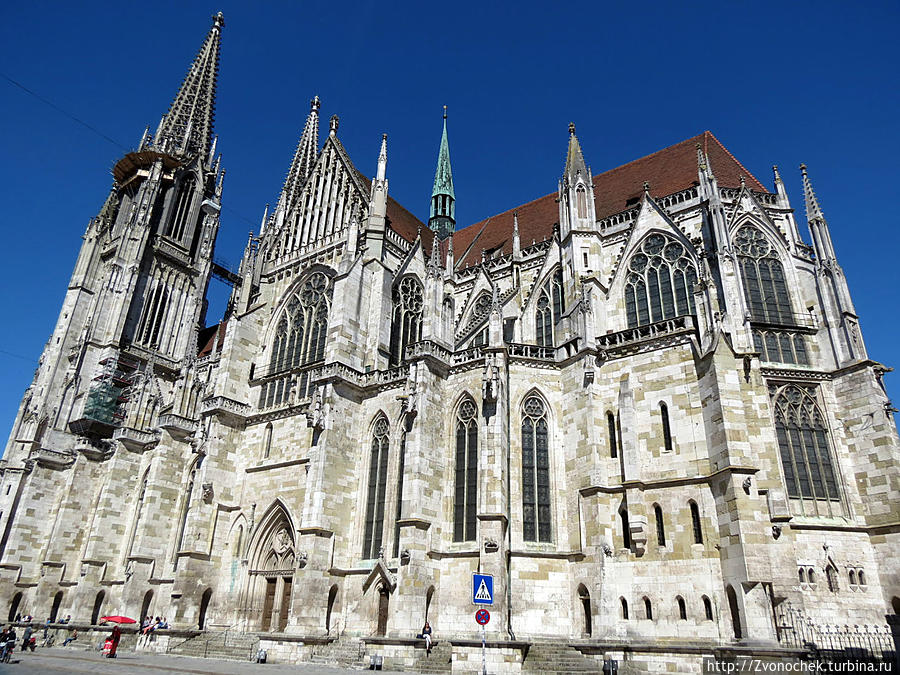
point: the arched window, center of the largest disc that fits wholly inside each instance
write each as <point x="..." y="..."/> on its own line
<point x="695" y="522"/>
<point x="585" y="598"/>
<point x="465" y="504"/>
<point x="267" y="441"/>
<point x="406" y="321"/>
<point x="378" y="464"/>
<point x="805" y="457"/>
<point x="182" y="208"/>
<point x="682" y="608"/>
<point x="801" y="573"/>
<point x="624" y="604"/>
<point x="831" y="576"/>
<point x="626" y="528"/>
<point x="660" y="526"/>
<point x="853" y="577"/>
<point x="811" y="575"/>
<point x="648" y="608"/>
<point x="611" y="430"/>
<point x="332" y="596"/>
<point x="735" y="612"/>
<point x="550" y="306"/>
<point x="581" y="202"/>
<point x="185" y="510"/>
<point x="398" y="512"/>
<point x="14" y="606"/>
<point x="764" y="284"/>
<point x="666" y="429"/>
<point x="862" y="578"/>
<point x="660" y="281"/>
<point x="429" y="596"/>
<point x="535" y="471"/>
<point x="154" y="313"/>
<point x="707" y="608"/>
<point x="299" y="338"/>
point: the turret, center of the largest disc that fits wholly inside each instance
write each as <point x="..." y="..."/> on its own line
<point x="576" y="191"/>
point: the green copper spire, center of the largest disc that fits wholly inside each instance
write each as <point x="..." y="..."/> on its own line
<point x="443" y="200"/>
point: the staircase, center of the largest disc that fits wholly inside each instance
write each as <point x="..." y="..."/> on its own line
<point x="557" y="659"/>
<point x="439" y="661"/>
<point x="347" y="652"/>
<point x="228" y="645"/>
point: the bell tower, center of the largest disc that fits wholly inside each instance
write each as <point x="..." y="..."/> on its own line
<point x="135" y="301"/>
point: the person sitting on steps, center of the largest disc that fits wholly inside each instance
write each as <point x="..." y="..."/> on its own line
<point x="426" y="635"/>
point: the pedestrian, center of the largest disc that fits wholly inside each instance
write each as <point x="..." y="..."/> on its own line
<point x="426" y="634"/>
<point x="26" y="638"/>
<point x="72" y="637"/>
<point x="46" y="628"/>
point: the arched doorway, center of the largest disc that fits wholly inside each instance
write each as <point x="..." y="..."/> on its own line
<point x="585" y="599"/>
<point x="271" y="570"/>
<point x="332" y="596"/>
<point x="14" y="606"/>
<point x="98" y="605"/>
<point x="383" y="605"/>
<point x="735" y="612"/>
<point x="204" y="605"/>
<point x="429" y="596"/>
<point x="54" y="609"/>
<point x="145" y="606"/>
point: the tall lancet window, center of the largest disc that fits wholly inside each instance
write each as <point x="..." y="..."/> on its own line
<point x="550" y="306"/>
<point x="581" y="202"/>
<point x="149" y="330"/>
<point x="659" y="283"/>
<point x="299" y="339"/>
<point x="181" y="210"/>
<point x="406" y="321"/>
<point x="465" y="502"/>
<point x="764" y="284"/>
<point x="535" y="471"/>
<point x="805" y="456"/>
<point x="378" y="465"/>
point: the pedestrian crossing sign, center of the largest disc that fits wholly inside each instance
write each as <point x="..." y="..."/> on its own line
<point x="482" y="589"/>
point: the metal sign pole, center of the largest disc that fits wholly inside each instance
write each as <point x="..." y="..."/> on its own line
<point x="483" y="648"/>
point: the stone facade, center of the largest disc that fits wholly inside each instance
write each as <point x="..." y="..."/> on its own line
<point x="642" y="403"/>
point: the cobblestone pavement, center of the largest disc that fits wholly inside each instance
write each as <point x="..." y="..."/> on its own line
<point x="58" y="661"/>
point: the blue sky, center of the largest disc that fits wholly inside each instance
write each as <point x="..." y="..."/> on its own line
<point x="778" y="83"/>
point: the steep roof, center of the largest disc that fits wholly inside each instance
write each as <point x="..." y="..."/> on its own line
<point x="668" y="171"/>
<point x="208" y="336"/>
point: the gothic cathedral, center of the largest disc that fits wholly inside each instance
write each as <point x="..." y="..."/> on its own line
<point x="642" y="403"/>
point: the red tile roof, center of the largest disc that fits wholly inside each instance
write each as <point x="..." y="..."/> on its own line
<point x="207" y="338"/>
<point x="668" y="171"/>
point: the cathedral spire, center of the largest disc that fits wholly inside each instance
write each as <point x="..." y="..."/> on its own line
<point x="188" y="126"/>
<point x="304" y="159"/>
<point x="574" y="158"/>
<point x="443" y="199"/>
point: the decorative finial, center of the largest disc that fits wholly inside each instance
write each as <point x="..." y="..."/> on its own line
<point x="333" y="125"/>
<point x="314" y="104"/>
<point x="445" y="112"/>
<point x="219" y="20"/>
<point x="572" y="128"/>
<point x="803" y="169"/>
<point x="647" y="187"/>
<point x="743" y="182"/>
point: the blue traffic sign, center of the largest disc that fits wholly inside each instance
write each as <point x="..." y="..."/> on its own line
<point x="482" y="589"/>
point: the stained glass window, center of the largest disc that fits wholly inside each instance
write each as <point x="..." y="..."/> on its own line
<point x="535" y="471"/>
<point x="764" y="283"/>
<point x="550" y="306"/>
<point x="378" y="465"/>
<point x="406" y="323"/>
<point x="465" y="503"/>
<point x="803" y="445"/>
<point x="660" y="281"/>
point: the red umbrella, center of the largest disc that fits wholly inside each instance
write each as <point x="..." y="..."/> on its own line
<point x="117" y="619"/>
